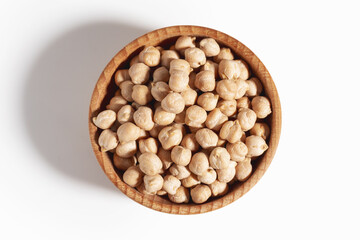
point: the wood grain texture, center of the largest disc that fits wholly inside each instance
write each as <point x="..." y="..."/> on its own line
<point x="101" y="92"/>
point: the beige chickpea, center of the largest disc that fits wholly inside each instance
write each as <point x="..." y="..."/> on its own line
<point x="242" y="87"/>
<point x="244" y="69"/>
<point x="148" y="145"/>
<point x="153" y="183"/>
<point x="141" y="94"/>
<point x="143" y="118"/>
<point x="190" y="181"/>
<point x="178" y="80"/>
<point x="254" y="87"/>
<point x="260" y="129"/>
<point x="227" y="107"/>
<point x="179" y="171"/>
<point x="182" y="195"/>
<point x="218" y="188"/>
<point x="184" y="42"/>
<point x="141" y="189"/>
<point x="261" y="106"/>
<point x="195" y="56"/>
<point x="171" y="184"/>
<point x="243" y="170"/>
<point x="150" y="163"/>
<point x="205" y="81"/>
<point x="126" y="88"/>
<point x="128" y="132"/>
<point x="211" y="66"/>
<point x="121" y="75"/>
<point x="180" y="126"/>
<point x="180" y="117"/>
<point x="133" y="176"/>
<point x="162" y="117"/>
<point x="150" y="56"/>
<point x="208" y="101"/>
<point x="192" y="78"/>
<point x="210" y="47"/>
<point x="227" y="174"/>
<point x="165" y="157"/>
<point x="139" y="73"/>
<point x="173" y="102"/>
<point x="126" y="149"/>
<point x="108" y="140"/>
<point x="231" y="131"/>
<point x="195" y="116"/>
<point x="154" y="132"/>
<point x="167" y="56"/>
<point x="226" y="89"/>
<point x="125" y="114"/>
<point x="208" y="177"/>
<point x="229" y="69"/>
<point x="189" y="142"/>
<point x="160" y="90"/>
<point x="243" y="102"/>
<point x="180" y="155"/>
<point x="105" y="119"/>
<point x="206" y="138"/>
<point x="170" y="136"/>
<point x="225" y="53"/>
<point x="189" y="95"/>
<point x="256" y="146"/>
<point x="200" y="193"/>
<point x="247" y="118"/>
<point x="134" y="60"/>
<point x="215" y="119"/>
<point x="116" y="103"/>
<point x="237" y="151"/>
<point x="124" y="163"/>
<point x="161" y="74"/>
<point x="219" y="158"/>
<point x="179" y="65"/>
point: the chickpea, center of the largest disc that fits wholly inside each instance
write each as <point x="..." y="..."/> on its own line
<point x="243" y="102"/>
<point x="170" y="137"/>
<point x="133" y="176"/>
<point x="189" y="142"/>
<point x="153" y="183"/>
<point x="180" y="155"/>
<point x="260" y="129"/>
<point x="221" y="142"/>
<point x="121" y="75"/>
<point x="180" y="117"/>
<point x="141" y="189"/>
<point x="242" y="87"/>
<point x="189" y="96"/>
<point x="179" y="126"/>
<point x="126" y="90"/>
<point x="226" y="89"/>
<point x="208" y="177"/>
<point x="141" y="94"/>
<point x="243" y="170"/>
<point x="150" y="163"/>
<point x="126" y="149"/>
<point x="143" y="118"/>
<point x="107" y="140"/>
<point x="210" y="47"/>
<point x="212" y="66"/>
<point x="192" y="78"/>
<point x="261" y="106"/>
<point x="171" y="184"/>
<point x="218" y="188"/>
<point x="179" y="65"/>
<point x="215" y="119"/>
<point x="231" y="131"/>
<point x="227" y="174"/>
<point x="255" y="87"/>
<point x="134" y="60"/>
<point x="124" y="163"/>
<point x="173" y="103"/>
<point x="195" y="56"/>
<point x="237" y="151"/>
<point x="230" y="69"/>
<point x="128" y="132"/>
<point x="167" y="56"/>
<point x="184" y="42"/>
<point x="219" y="158"/>
<point x="227" y="107"/>
<point x="178" y="80"/>
<point x="179" y="171"/>
<point x="154" y="132"/>
<point x="161" y="192"/>
<point x="247" y="118"/>
<point x="125" y="114"/>
<point x="161" y="74"/>
<point x="160" y="90"/>
<point x="165" y="157"/>
<point x="243" y="69"/>
<point x="148" y="145"/>
<point x="150" y="56"/>
<point x="190" y="181"/>
<point x="116" y="103"/>
<point x="256" y="146"/>
<point x="162" y="117"/>
<point x="105" y="119"/>
<point x="206" y="138"/>
<point x="208" y="101"/>
<point x="200" y="193"/>
<point x="225" y="53"/>
<point x="195" y="116"/>
<point x="205" y="81"/>
<point x="182" y="195"/>
<point x="139" y="73"/>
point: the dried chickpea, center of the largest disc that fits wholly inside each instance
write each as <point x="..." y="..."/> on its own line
<point x="165" y="157"/>
<point x="210" y="47"/>
<point x="171" y="184"/>
<point x="208" y="177"/>
<point x="134" y="60"/>
<point x="195" y="56"/>
<point x="227" y="174"/>
<point x="116" y="103"/>
<point x="208" y="101"/>
<point x="167" y="56"/>
<point x="125" y="114"/>
<point x="133" y="176"/>
<point x="237" y="151"/>
<point x="143" y="118"/>
<point x="189" y="142"/>
<point x="229" y="69"/>
<point x="150" y="56"/>
<point x="215" y="119"/>
<point x="160" y="90"/>
<point x="243" y="170"/>
<point x="256" y="146"/>
<point x="192" y="78"/>
<point x="231" y="131"/>
<point x="226" y="89"/>
<point x="219" y="158"/>
<point x="153" y="183"/>
<point x="243" y="102"/>
<point x="170" y="136"/>
<point x="218" y="188"/>
<point x="184" y="42"/>
<point x="107" y="140"/>
<point x="180" y="155"/>
<point x="126" y="90"/>
<point x="128" y="132"/>
<point x="195" y="116"/>
<point x="141" y="94"/>
<point x="150" y="163"/>
<point x="161" y="74"/>
<point x="211" y="66"/>
<point x="190" y="181"/>
<point x="205" y="81"/>
<point x="124" y="163"/>
<point x="179" y="126"/>
<point x="182" y="195"/>
<point x="162" y="117"/>
<point x="105" y="119"/>
<point x="254" y="87"/>
<point x="225" y="53"/>
<point x="178" y="80"/>
<point x="148" y="145"/>
<point x="189" y="95"/>
<point x="242" y="87"/>
<point x="179" y="65"/>
<point x="200" y="193"/>
<point x="121" y="75"/>
<point x="261" y="106"/>
<point x="173" y="102"/>
<point x="179" y="171"/>
<point x="260" y="129"/>
<point x="247" y="118"/>
<point x="227" y="107"/>
<point x="126" y="149"/>
<point x="206" y="138"/>
<point x="139" y="73"/>
<point x="180" y="117"/>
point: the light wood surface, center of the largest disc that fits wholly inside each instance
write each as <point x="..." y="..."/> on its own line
<point x="105" y="88"/>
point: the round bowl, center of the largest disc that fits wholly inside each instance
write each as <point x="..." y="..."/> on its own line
<point x="105" y="89"/>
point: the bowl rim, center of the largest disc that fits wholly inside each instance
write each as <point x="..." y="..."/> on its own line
<point x="256" y="66"/>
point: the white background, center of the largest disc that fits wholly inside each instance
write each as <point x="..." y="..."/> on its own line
<point x="51" y="54"/>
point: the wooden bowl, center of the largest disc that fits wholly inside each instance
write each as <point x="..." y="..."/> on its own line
<point x="105" y="89"/>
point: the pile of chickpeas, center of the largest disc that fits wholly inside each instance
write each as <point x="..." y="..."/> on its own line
<point x="185" y="122"/>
